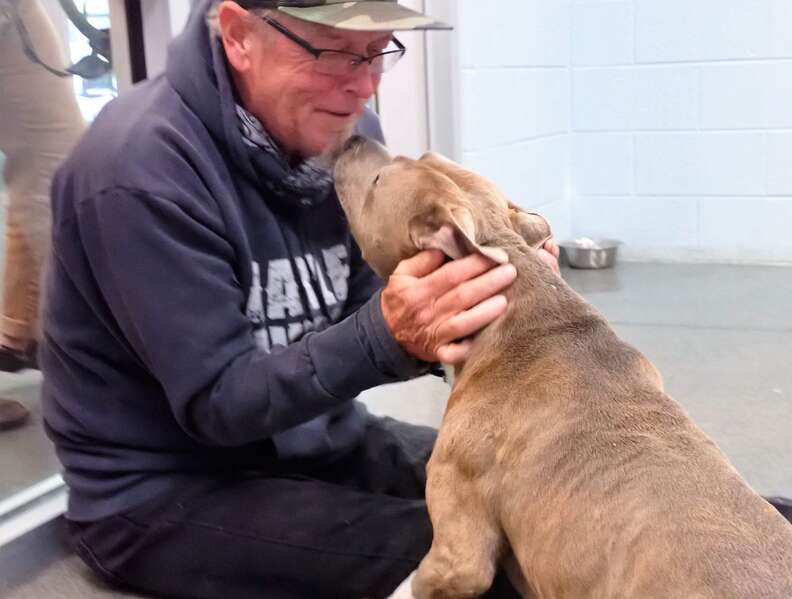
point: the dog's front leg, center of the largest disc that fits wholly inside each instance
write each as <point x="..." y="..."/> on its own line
<point x="467" y="541"/>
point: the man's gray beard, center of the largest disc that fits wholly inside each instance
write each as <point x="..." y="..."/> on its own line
<point x="327" y="159"/>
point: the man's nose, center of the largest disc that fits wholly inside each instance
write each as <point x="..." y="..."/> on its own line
<point x="363" y="81"/>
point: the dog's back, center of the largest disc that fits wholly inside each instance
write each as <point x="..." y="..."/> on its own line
<point x="605" y="488"/>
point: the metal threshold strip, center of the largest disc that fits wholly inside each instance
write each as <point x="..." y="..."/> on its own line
<point x="31" y="508"/>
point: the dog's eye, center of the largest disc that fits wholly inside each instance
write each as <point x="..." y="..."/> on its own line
<point x="376" y="180"/>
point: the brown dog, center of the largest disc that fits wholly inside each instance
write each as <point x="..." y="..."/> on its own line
<point x="558" y="447"/>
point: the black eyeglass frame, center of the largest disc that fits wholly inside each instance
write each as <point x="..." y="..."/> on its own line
<point x="355" y="59"/>
<point x="284" y="3"/>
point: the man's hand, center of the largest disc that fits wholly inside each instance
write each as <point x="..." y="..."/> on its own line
<point x="429" y="305"/>
<point x="549" y="253"/>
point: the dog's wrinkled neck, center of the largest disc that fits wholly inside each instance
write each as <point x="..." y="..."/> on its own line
<point x="541" y="305"/>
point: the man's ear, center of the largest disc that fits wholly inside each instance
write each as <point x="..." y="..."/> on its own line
<point x="235" y="34"/>
<point x="452" y="231"/>
<point x="532" y="227"/>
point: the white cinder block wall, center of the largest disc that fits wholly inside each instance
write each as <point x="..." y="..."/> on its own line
<point x="682" y="127"/>
<point x="514" y="100"/>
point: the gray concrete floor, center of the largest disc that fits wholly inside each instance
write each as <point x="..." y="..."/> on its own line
<point x="720" y="335"/>
<point x="26" y="455"/>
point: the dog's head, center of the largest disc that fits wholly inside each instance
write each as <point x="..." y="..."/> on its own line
<point x="397" y="207"/>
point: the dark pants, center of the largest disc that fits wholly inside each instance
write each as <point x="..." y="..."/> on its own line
<point x="783" y="505"/>
<point x="348" y="529"/>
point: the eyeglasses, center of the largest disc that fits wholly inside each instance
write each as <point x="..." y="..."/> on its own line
<point x="340" y="63"/>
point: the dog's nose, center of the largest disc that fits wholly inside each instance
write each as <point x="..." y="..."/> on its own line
<point x="354" y="142"/>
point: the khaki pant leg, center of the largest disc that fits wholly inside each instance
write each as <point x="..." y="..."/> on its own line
<point x="40" y="122"/>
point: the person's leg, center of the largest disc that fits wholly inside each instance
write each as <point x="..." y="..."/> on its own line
<point x="40" y="124"/>
<point x="20" y="297"/>
<point x="390" y="460"/>
<point x="264" y="536"/>
<point x="352" y="528"/>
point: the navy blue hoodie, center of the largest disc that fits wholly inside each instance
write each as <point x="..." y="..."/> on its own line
<point x="193" y="322"/>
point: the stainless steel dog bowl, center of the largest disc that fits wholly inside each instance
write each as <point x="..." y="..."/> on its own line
<point x="590" y="253"/>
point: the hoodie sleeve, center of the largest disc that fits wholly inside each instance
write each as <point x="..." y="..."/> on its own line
<point x="363" y="285"/>
<point x="168" y="280"/>
<point x="363" y="282"/>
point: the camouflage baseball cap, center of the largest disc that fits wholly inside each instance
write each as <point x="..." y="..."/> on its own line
<point x="363" y="15"/>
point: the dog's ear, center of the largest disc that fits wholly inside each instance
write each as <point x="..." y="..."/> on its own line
<point x="452" y="231"/>
<point x="532" y="227"/>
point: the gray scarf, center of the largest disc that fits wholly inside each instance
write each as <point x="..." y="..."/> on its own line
<point x="309" y="180"/>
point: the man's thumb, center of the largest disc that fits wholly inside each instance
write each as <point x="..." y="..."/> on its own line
<point x="422" y="264"/>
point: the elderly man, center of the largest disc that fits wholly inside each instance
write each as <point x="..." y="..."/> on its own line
<point x="209" y="320"/>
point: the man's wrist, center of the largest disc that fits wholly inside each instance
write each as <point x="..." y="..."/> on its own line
<point x="403" y="363"/>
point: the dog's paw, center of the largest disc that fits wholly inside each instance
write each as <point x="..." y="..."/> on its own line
<point x="450" y="583"/>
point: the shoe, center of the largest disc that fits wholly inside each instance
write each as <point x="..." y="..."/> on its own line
<point x="14" y="360"/>
<point x="12" y="414"/>
<point x="783" y="505"/>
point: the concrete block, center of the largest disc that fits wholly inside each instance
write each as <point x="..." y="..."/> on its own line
<point x="536" y="104"/>
<point x="640" y="222"/>
<point x="779" y="164"/>
<point x="590" y="46"/>
<point x="778" y="87"/>
<point x="602" y="164"/>
<point x="780" y="20"/>
<point x="681" y="30"/>
<point x="665" y="97"/>
<point x="733" y="96"/>
<point x="602" y="99"/>
<point x="751" y="228"/>
<point x="529" y="33"/>
<point x="730" y="163"/>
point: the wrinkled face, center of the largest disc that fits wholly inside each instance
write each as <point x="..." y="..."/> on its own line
<point x="398" y="206"/>
<point x="308" y="113"/>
